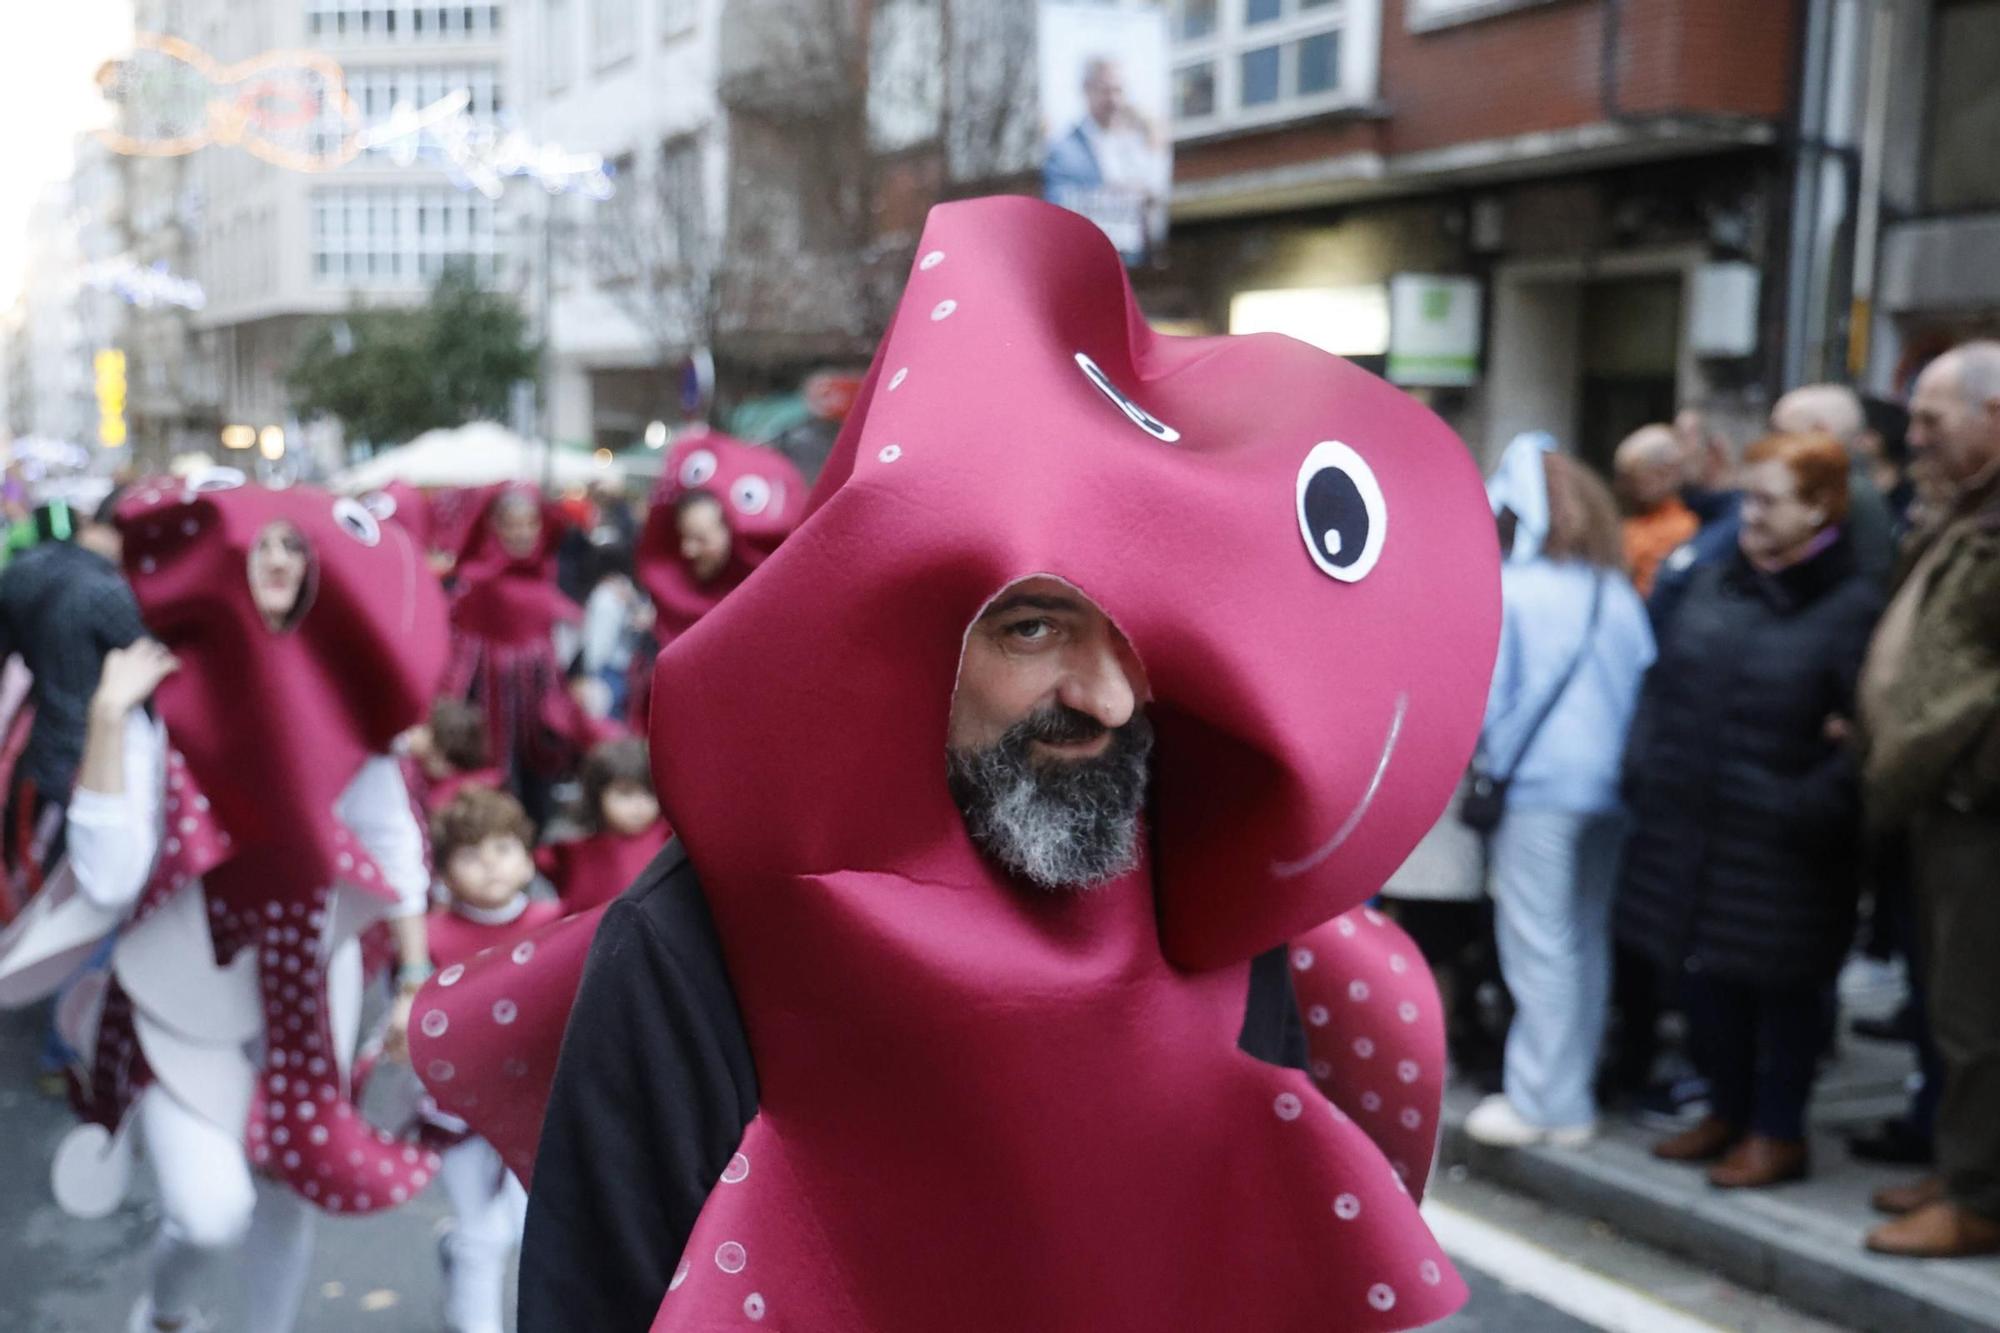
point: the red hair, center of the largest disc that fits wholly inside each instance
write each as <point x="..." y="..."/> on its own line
<point x="1818" y="464"/>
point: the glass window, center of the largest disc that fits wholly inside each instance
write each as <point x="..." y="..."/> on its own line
<point x="1262" y="11"/>
<point x="1962" y="168"/>
<point x="1194" y="18"/>
<point x="1259" y="82"/>
<point x="1319" y="63"/>
<point x="1194" y="90"/>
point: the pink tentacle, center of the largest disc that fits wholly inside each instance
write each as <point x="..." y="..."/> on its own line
<point x="1375" y="1033"/>
<point x="304" y="1128"/>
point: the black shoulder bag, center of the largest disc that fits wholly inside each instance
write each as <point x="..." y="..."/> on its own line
<point x="1485" y="800"/>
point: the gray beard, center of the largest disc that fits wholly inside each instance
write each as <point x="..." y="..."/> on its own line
<point x="1061" y="824"/>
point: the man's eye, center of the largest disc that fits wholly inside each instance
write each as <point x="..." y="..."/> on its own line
<point x="1031" y="631"/>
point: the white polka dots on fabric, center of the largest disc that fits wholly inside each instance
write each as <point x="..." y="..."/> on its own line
<point x="730" y="1257"/>
<point x="680" y="1276"/>
<point x="1302" y="959"/>
<point x="1318" y="1016"/>
<point x="1347" y="1207"/>
<point x="434" y="1023"/>
<point x="1322" y="1070"/>
<point x="1371" y="1101"/>
<point x="1358" y="991"/>
<point x="1288" y="1106"/>
<point x="1382" y="1296"/>
<point x="737" y="1171"/>
<point x="1364" y="1047"/>
<point x="889" y="453"/>
<point x="944" y="309"/>
<point x="441" y="1071"/>
<point x="931" y="260"/>
<point x="753" y="1306"/>
<point x="1410" y="1117"/>
<point x="524" y="951"/>
<point x="1429" y="1272"/>
<point x="896" y="380"/>
<point x="1407" y="1011"/>
<point x="1345" y="927"/>
<point x="1398" y="964"/>
<point x="505" y="1012"/>
<point x="1407" y="1071"/>
<point x="450" y="976"/>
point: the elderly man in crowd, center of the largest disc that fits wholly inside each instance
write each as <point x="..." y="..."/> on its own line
<point x="1930" y="714"/>
<point x="1649" y="469"/>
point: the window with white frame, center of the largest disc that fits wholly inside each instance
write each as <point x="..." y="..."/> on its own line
<point x="378" y="90"/>
<point x="677" y="17"/>
<point x="613" y="31"/>
<point x="1421" y="15"/>
<point x="389" y="21"/>
<point x="1246" y="62"/>
<point x="392" y="236"/>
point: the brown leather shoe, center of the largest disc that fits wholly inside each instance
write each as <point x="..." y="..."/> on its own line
<point x="1757" y="1162"/>
<point x="1902" y="1200"/>
<point x="1940" y="1230"/>
<point x="1704" y="1143"/>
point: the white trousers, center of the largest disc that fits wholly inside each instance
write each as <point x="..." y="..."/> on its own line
<point x="489" y="1207"/>
<point x="210" y="1206"/>
<point x="1553" y="876"/>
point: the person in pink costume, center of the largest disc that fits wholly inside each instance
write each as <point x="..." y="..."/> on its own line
<point x="1107" y="670"/>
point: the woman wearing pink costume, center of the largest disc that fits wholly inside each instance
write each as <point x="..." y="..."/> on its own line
<point x="239" y="824"/>
<point x="512" y="629"/>
<point x="720" y="508"/>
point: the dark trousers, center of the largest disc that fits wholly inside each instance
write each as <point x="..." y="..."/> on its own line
<point x="1635" y="1000"/>
<point x="1758" y="1046"/>
<point x="1896" y="911"/>
<point x="1957" y="863"/>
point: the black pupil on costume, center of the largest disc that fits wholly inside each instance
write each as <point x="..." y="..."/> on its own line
<point x="1336" y="516"/>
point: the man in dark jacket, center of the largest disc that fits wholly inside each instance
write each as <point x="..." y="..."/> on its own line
<point x="63" y="606"/>
<point x="1930" y="713"/>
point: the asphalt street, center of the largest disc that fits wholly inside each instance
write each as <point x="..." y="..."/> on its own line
<point x="380" y="1274"/>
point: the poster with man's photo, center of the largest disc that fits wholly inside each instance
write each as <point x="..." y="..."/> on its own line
<point x="1108" y="150"/>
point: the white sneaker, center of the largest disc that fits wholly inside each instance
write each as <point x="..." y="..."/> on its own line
<point x="141" y="1320"/>
<point x="1495" y="1123"/>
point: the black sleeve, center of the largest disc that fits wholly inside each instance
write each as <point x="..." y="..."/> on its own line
<point x="114" y="615"/>
<point x="653" y="1089"/>
<point x="1271" y="1028"/>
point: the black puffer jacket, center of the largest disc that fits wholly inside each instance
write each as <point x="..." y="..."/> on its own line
<point x="1745" y="817"/>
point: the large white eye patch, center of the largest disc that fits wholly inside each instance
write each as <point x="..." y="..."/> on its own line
<point x="750" y="495"/>
<point x="1139" y="416"/>
<point x="355" y="520"/>
<point x="1342" y="515"/>
<point x="697" y="468"/>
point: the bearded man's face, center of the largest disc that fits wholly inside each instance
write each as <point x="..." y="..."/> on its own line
<point x="1049" y="745"/>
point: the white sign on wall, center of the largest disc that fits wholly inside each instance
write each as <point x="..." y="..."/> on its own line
<point x="1434" y="328"/>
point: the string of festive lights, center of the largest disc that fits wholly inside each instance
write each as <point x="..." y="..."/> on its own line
<point x="292" y="108"/>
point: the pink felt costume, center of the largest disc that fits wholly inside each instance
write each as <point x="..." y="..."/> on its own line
<point x="235" y="978"/>
<point x="986" y="1106"/>
<point x="504" y="614"/>
<point x="762" y="497"/>
<point x="589" y="872"/>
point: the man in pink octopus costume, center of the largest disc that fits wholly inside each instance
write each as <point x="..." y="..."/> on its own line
<point x="1104" y="664"/>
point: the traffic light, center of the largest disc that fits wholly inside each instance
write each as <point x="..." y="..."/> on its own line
<point x="110" y="397"/>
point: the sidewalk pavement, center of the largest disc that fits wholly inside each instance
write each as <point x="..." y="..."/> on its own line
<point x="1800" y="1243"/>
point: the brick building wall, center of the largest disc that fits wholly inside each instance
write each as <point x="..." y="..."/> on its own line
<point x="1539" y="70"/>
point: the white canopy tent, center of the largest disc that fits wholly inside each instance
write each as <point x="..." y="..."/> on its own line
<point x="477" y="454"/>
